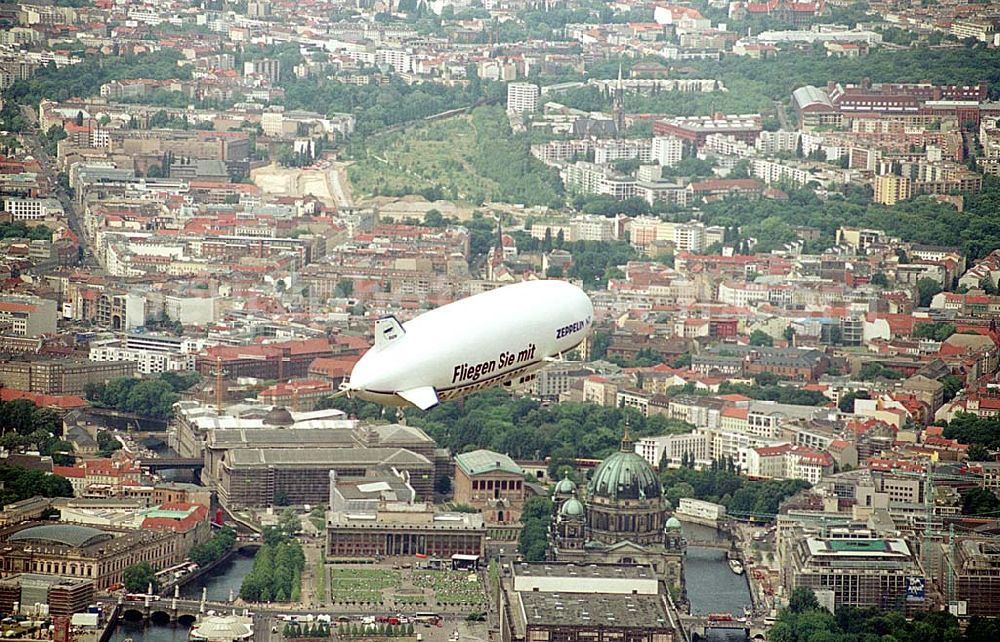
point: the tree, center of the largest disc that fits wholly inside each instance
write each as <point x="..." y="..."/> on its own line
<point x="107" y="443"/>
<point x="802" y="599"/>
<point x="17" y="483"/>
<point x="926" y="289"/>
<point x="683" y="361"/>
<point x="25" y="418"/>
<point x="952" y="385"/>
<point x="846" y="403"/>
<point x="874" y="370"/>
<point x="978" y="452"/>
<point x="766" y="379"/>
<point x="679" y="491"/>
<point x="533" y="542"/>
<point x="761" y="338"/>
<point x="933" y="331"/>
<point x="152" y="397"/>
<point x="980" y="501"/>
<point x="138" y="577"/>
<point x="789" y="334"/>
<point x="434" y="218"/>
<point x="290" y="522"/>
<point x="280" y="498"/>
<point x="213" y="549"/>
<point x="79" y="119"/>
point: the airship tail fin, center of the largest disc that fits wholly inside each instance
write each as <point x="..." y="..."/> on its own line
<point x="424" y="397"/>
<point x="387" y="330"/>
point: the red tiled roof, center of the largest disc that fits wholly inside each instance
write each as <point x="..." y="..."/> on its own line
<point x="69" y="472"/>
<point x="334" y="367"/>
<point x="64" y="402"/>
<point x="772" y="451"/>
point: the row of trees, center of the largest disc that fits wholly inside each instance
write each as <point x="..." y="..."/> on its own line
<point x="722" y="485"/>
<point x="299" y="630"/>
<point x="743" y="98"/>
<point x="774" y="392"/>
<point x="23" y="417"/>
<point x="524" y="428"/>
<point x="874" y="370"/>
<point x="276" y="575"/>
<point x="594" y="262"/>
<point x="933" y="331"/>
<point x="222" y="541"/>
<point x="805" y="621"/>
<point x="26" y="425"/>
<point x="20" y="230"/>
<point x="533" y="542"/>
<point x="373" y="630"/>
<point x="147" y="397"/>
<point x="138" y="578"/>
<point x="85" y="79"/>
<point x="922" y="220"/>
<point x="379" y="106"/>
<point x="975" y="431"/>
<point x="17" y="483"/>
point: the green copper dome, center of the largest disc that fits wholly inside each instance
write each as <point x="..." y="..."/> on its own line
<point x="565" y="486"/>
<point x="673" y="523"/>
<point x="625" y="475"/>
<point x="572" y="507"/>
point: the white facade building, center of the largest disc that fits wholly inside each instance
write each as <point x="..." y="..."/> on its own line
<point x="32" y="209"/>
<point x="667" y="150"/>
<point x="522" y="97"/>
<point x="674" y="447"/>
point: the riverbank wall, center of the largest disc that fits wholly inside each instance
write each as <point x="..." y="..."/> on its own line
<point x="208" y="568"/>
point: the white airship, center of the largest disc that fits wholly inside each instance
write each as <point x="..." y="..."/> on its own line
<point x="487" y="339"/>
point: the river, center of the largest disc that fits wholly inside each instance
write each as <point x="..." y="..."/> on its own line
<point x="218" y="583"/>
<point x="711" y="586"/>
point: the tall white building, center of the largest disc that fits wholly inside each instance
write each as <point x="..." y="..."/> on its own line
<point x="400" y="61"/>
<point x="667" y="150"/>
<point x="674" y="447"/>
<point x="522" y="97"/>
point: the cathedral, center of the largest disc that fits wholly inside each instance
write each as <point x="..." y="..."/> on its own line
<point x="622" y="519"/>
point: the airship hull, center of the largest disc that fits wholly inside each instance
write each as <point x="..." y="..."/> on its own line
<point x="478" y="342"/>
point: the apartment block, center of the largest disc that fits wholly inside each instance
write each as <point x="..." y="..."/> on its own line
<point x="522" y="97"/>
<point x="60" y="377"/>
<point x="674" y="448"/>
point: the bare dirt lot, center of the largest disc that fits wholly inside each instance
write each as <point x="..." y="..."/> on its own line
<point x="323" y="181"/>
